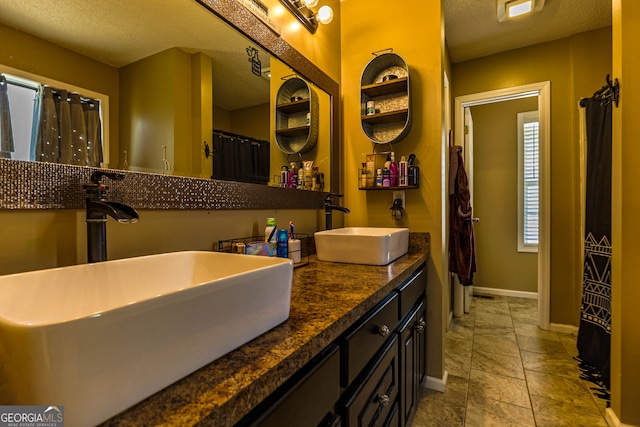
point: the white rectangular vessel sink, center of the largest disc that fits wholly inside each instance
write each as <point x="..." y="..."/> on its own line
<point x="98" y="338"/>
<point x="362" y="245"/>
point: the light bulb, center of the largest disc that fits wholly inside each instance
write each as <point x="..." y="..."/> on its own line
<point x="310" y="3"/>
<point x="325" y="14"/>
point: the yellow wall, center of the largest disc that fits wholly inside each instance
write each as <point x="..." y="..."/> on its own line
<point x="39" y="239"/>
<point x="321" y="48"/>
<point x="569" y="65"/>
<point x="418" y="39"/>
<point x="156" y="111"/>
<point x="252" y="121"/>
<point x="39" y="57"/>
<point x="495" y="196"/>
<point x="625" y="339"/>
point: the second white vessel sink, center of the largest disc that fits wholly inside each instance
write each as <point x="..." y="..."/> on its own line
<point x="98" y="338"/>
<point x="362" y="245"/>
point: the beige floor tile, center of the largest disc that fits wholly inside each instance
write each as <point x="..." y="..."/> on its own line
<point x="455" y="394"/>
<point x="498" y="307"/>
<point x="436" y="413"/>
<point x="559" y="388"/>
<point x="522" y="302"/>
<point x="540" y="345"/>
<point x="529" y="330"/>
<point x="496" y="344"/>
<point x="482" y="412"/>
<point x="487" y="329"/>
<point x="498" y="387"/>
<point x="509" y="366"/>
<point x="493" y="319"/>
<point x="525" y="317"/>
<point x="550" y="363"/>
<point x="457" y="344"/>
<point x="457" y="364"/>
<point x="462" y="327"/>
<point x="570" y="343"/>
<point x="553" y="413"/>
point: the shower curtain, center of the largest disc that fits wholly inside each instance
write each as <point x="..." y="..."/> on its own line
<point x="6" y="132"/>
<point x="67" y="128"/>
<point x="594" y="334"/>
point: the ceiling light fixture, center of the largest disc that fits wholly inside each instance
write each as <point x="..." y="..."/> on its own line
<point x="508" y="9"/>
<point x="301" y="9"/>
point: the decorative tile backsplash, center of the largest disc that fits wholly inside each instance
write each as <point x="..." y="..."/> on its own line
<point x="36" y="185"/>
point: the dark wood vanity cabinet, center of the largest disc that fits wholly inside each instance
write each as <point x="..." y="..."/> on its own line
<point x="369" y="377"/>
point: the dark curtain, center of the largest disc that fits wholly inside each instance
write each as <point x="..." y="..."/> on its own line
<point x="239" y="158"/>
<point x="594" y="335"/>
<point x="66" y="128"/>
<point x="6" y="132"/>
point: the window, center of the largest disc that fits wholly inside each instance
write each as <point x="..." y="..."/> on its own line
<point x="528" y="181"/>
<point x="22" y="91"/>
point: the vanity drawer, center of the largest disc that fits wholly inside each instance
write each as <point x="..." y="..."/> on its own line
<point x="365" y="338"/>
<point x="410" y="290"/>
<point x="373" y="402"/>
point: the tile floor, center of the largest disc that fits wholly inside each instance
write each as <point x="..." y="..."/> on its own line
<point x="505" y="371"/>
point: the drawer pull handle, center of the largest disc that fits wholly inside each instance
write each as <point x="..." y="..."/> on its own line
<point x="383" y="400"/>
<point x="420" y="327"/>
<point x="384" y="330"/>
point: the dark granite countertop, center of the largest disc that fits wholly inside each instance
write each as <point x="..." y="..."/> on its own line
<point x="326" y="299"/>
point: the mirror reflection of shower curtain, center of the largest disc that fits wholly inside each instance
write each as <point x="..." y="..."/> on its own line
<point x="46" y="146"/>
<point x="67" y="128"/>
<point x="6" y="132"/>
<point x="594" y="334"/>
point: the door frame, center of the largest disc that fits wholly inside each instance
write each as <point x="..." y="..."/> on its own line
<point x="543" y="91"/>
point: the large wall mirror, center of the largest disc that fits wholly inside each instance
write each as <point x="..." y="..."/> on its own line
<point x="166" y="75"/>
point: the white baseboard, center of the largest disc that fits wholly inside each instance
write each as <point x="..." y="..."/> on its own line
<point x="563" y="329"/>
<point x="612" y="419"/>
<point x="504" y="292"/>
<point x="438" y="384"/>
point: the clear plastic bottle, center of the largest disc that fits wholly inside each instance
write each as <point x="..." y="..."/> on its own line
<point x="271" y="225"/>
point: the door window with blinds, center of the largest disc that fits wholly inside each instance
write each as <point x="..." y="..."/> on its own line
<point x="528" y="181"/>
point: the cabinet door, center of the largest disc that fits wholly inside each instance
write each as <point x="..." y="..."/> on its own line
<point x="421" y="342"/>
<point x="306" y="400"/>
<point x="374" y="394"/>
<point x="409" y="364"/>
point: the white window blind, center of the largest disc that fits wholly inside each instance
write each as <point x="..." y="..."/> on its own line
<point x="528" y="177"/>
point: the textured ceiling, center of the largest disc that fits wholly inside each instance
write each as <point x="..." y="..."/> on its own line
<point x="119" y="32"/>
<point x="472" y="28"/>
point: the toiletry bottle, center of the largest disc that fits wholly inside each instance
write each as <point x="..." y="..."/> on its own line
<point x="393" y="170"/>
<point x="301" y="177"/>
<point x="386" y="178"/>
<point x="414" y="171"/>
<point x="293" y="176"/>
<point x="402" y="172"/>
<point x="268" y="230"/>
<point x="387" y="162"/>
<point x="379" y="178"/>
<point x="284" y="176"/>
<point x="363" y="176"/>
<point x="308" y="174"/>
<point x="282" y="248"/>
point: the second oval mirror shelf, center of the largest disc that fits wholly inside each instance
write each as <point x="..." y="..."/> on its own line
<point x="385" y="98"/>
<point x="297" y="109"/>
